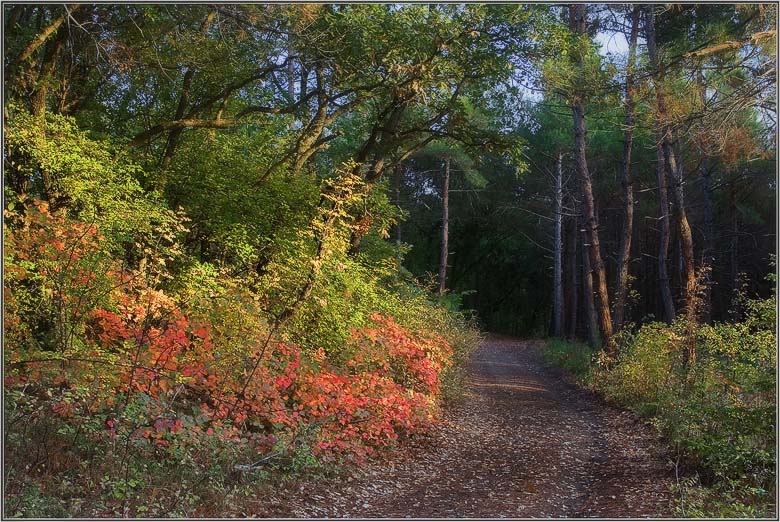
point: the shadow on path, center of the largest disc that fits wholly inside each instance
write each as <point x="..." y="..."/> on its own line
<point x="522" y="443"/>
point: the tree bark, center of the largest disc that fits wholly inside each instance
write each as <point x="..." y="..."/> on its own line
<point x="50" y="54"/>
<point x="290" y="69"/>
<point x="47" y="31"/>
<point x="184" y="100"/>
<point x="43" y="79"/>
<point x="587" y="287"/>
<point x="667" y="300"/>
<point x="708" y="250"/>
<point x="675" y="176"/>
<point x="578" y="15"/>
<point x="734" y="247"/>
<point x="624" y="250"/>
<point x="13" y="17"/>
<point x="663" y="198"/>
<point x="673" y="170"/>
<point x="384" y="139"/>
<point x="557" y="329"/>
<point x="573" y="266"/>
<point x="708" y="247"/>
<point x="445" y="227"/>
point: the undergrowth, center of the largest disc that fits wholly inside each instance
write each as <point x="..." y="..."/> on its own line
<point x="716" y="410"/>
<point x="147" y="378"/>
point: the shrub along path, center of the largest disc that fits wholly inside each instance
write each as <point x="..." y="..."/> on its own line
<point x="522" y="443"/>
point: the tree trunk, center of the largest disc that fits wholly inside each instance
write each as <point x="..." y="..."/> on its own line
<point x="290" y="69"/>
<point x="734" y="247"/>
<point x="663" y="241"/>
<point x="675" y="176"/>
<point x="573" y="300"/>
<point x="684" y="229"/>
<point x="577" y="12"/>
<point x="50" y="54"/>
<point x="673" y="171"/>
<point x="708" y="250"/>
<point x="13" y="17"/>
<point x="663" y="223"/>
<point x="445" y="227"/>
<point x="184" y="99"/>
<point x="708" y="247"/>
<point x="624" y="251"/>
<point x="398" y="182"/>
<point x="557" y="249"/>
<point x="587" y="287"/>
<point x="45" y="34"/>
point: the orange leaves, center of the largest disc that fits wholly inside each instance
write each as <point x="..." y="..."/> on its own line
<point x="63" y="408"/>
<point x="416" y="360"/>
<point x="140" y="346"/>
<point x="109" y="327"/>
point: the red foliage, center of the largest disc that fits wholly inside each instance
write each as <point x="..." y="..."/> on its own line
<point x="153" y="347"/>
<point x="351" y="412"/>
<point x="418" y="360"/>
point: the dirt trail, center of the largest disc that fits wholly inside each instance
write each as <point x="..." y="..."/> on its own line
<point x="523" y="443"/>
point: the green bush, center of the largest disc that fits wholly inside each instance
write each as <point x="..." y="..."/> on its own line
<point x="717" y="410"/>
<point x="572" y="357"/>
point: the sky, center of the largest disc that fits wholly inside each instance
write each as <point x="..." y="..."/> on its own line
<point x="614" y="43"/>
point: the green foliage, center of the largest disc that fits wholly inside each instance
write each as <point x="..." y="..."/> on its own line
<point x="719" y="412"/>
<point x="96" y="182"/>
<point x="573" y="357"/>
<point x="237" y="208"/>
<point x="575" y="67"/>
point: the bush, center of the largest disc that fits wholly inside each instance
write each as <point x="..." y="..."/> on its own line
<point x="147" y="379"/>
<point x="571" y="356"/>
<point x="719" y="410"/>
<point x="142" y="379"/>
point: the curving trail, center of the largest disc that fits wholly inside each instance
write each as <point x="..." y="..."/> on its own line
<point x="523" y="443"/>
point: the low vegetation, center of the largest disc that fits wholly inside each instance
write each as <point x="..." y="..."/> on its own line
<point x="142" y="381"/>
<point x="717" y="410"/>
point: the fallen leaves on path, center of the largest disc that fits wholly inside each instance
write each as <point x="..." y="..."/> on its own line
<point x="522" y="443"/>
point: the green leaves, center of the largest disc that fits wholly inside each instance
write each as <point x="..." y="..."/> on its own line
<point x="97" y="183"/>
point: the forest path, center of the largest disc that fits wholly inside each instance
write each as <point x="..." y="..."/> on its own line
<point x="523" y="443"/>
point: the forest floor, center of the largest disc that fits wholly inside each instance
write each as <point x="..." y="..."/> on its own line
<point x="523" y="442"/>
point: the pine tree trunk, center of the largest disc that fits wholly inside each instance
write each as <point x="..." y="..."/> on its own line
<point x="573" y="300"/>
<point x="674" y="173"/>
<point x="663" y="224"/>
<point x="624" y="251"/>
<point x="445" y="227"/>
<point x="734" y="247"/>
<point x="708" y="249"/>
<point x="673" y="170"/>
<point x="663" y="241"/>
<point x="587" y="287"/>
<point x="557" y="249"/>
<point x="578" y="15"/>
